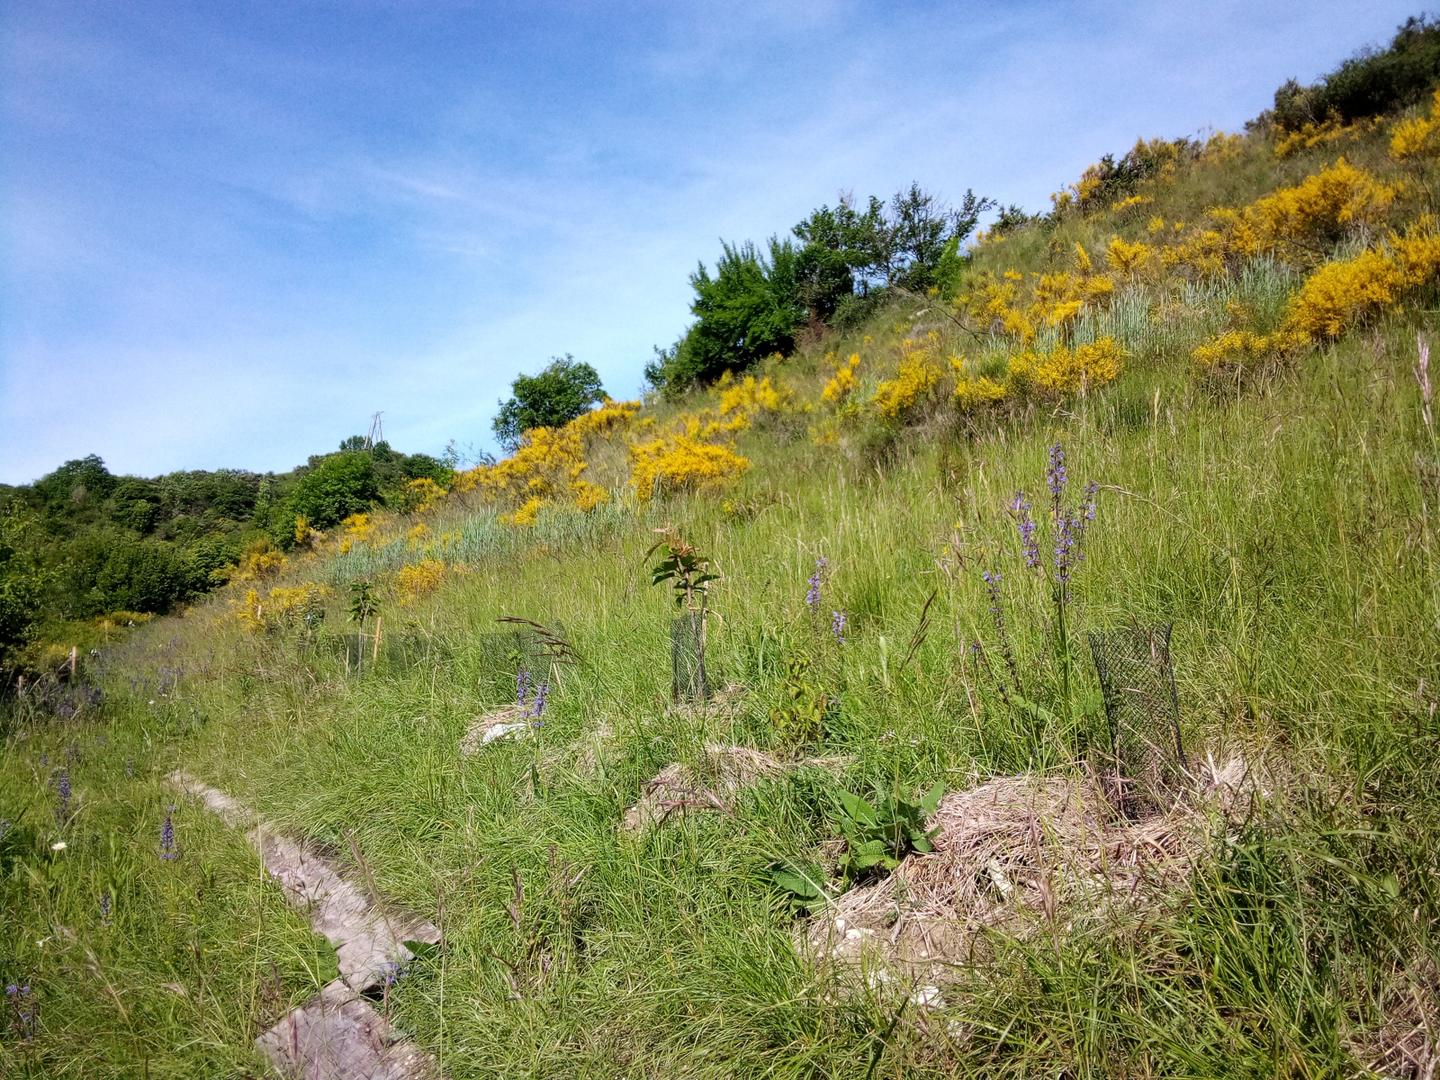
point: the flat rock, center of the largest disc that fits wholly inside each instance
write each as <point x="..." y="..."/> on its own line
<point x="338" y="1035"/>
<point x="368" y="939"/>
<point x="512" y="721"/>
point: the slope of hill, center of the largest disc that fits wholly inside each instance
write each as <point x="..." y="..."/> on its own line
<point x="1197" y="395"/>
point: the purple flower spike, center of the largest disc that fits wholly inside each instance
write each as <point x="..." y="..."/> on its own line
<point x="837" y="626"/>
<point x="522" y="686"/>
<point x="1056" y="476"/>
<point x="168" y="850"/>
<point x="812" y="594"/>
<point x="992" y="586"/>
<point x="541" y="692"/>
<point x="1025" y="524"/>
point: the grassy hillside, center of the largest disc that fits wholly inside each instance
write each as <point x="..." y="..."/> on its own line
<point x="1221" y="336"/>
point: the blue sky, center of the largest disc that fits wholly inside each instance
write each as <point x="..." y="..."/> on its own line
<point x="230" y="232"/>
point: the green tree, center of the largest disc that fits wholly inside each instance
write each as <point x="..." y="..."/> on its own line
<point x="23" y="580"/>
<point x="749" y="309"/>
<point x="337" y="486"/>
<point x="917" y="228"/>
<point x="565" y="389"/>
<point x="836" y="243"/>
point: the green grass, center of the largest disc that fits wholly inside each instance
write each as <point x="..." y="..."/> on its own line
<point x="1283" y="530"/>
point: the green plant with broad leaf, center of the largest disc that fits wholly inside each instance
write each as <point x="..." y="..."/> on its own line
<point x="802" y="885"/>
<point x="683" y="566"/>
<point x="879" y="833"/>
<point x="800" y="717"/>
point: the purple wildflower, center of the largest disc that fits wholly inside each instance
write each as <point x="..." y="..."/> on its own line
<point x="167" y="838"/>
<point x="1020" y="507"/>
<point x="812" y="595"/>
<point x="992" y="587"/>
<point x="23" y="1008"/>
<point x="62" y="797"/>
<point x="1091" y="490"/>
<point x="541" y="692"/>
<point x="1067" y="551"/>
<point x="1056" y="476"/>
<point x="837" y="626"/>
<point x="522" y="686"/>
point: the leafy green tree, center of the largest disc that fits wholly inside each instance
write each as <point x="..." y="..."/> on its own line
<point x="337" y="486"/>
<point x="140" y="575"/>
<point x="1372" y="82"/>
<point x="749" y="309"/>
<point x="75" y="486"/>
<point x="565" y="389"/>
<point x="23" y="580"/>
<point x="917" y="229"/>
<point x="835" y="244"/>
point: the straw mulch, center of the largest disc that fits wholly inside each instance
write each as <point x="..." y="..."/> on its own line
<point x="1019" y="854"/>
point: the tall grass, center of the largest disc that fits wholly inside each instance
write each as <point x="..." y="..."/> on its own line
<point x="1282" y="532"/>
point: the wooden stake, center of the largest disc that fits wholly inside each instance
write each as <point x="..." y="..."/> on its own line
<point x="375" y="653"/>
<point x="74" y="654"/>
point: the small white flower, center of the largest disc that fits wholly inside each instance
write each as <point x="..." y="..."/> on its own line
<point x="152" y="701"/>
<point x="59" y="845"/>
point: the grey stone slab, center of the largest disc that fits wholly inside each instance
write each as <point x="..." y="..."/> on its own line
<point x="338" y="1035"/>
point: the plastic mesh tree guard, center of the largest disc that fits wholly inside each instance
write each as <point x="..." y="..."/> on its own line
<point x="687" y="658"/>
<point x="1137" y="681"/>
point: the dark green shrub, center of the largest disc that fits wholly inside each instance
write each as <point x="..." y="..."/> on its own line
<point x="565" y="389"/>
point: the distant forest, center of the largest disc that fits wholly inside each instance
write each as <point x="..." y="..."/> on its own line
<point x="82" y="542"/>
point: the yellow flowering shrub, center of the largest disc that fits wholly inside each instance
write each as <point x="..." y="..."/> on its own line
<point x="1236" y="351"/>
<point x="750" y="397"/>
<point x="588" y="496"/>
<point x="304" y="535"/>
<point x="1128" y="258"/>
<point x="419" y="579"/>
<point x="1203" y="253"/>
<point x="915" y="381"/>
<point x="607" y="418"/>
<point x="359" y="527"/>
<point x="549" y="461"/>
<point x="842" y="382"/>
<point x="1315" y="212"/>
<point x="1304" y="220"/>
<point x="706" y="426"/>
<point x="541" y="466"/>
<point x="1312" y="135"/>
<point x="1418" y="138"/>
<point x="524" y="516"/>
<point x="676" y="463"/>
<point x="1222" y="146"/>
<point x="1349" y="292"/>
<point x="825" y="431"/>
<point x="1063" y="371"/>
<point x="282" y="606"/>
<point x="1132" y="202"/>
<point x="993" y="302"/>
<point x="423" y="494"/>
<point x="417" y="533"/>
<point x="973" y="391"/>
<point x="261" y="560"/>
